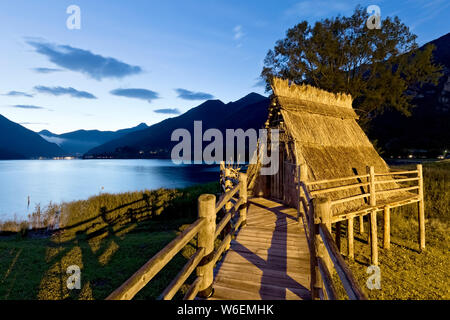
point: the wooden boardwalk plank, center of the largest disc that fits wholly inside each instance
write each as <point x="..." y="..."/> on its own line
<point x="269" y="259"/>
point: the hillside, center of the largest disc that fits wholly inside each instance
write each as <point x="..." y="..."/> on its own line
<point x="80" y="141"/>
<point x="155" y="141"/>
<point x="425" y="132"/>
<point x="17" y="142"/>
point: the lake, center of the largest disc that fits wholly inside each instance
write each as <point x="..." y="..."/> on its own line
<point x="46" y="181"/>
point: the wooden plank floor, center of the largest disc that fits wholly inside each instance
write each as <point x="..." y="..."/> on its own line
<point x="268" y="260"/>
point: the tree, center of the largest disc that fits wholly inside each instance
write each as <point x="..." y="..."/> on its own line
<point x="341" y="54"/>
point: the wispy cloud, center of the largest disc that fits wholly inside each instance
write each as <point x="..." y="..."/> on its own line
<point x="18" y="94"/>
<point x="259" y="82"/>
<point x="59" y="141"/>
<point x="168" y="111"/>
<point x="142" y="94"/>
<point x="93" y="65"/>
<point x="238" y="33"/>
<point x="46" y="70"/>
<point x="26" y="106"/>
<point x="59" y="91"/>
<point x="33" y="123"/>
<point x="191" y="95"/>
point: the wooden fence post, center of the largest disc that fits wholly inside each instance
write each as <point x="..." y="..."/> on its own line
<point x="373" y="237"/>
<point x="350" y="237"/>
<point x="206" y="209"/>
<point x="373" y="198"/>
<point x="338" y="235"/>
<point x="421" y="206"/>
<point x="303" y="177"/>
<point x="243" y="196"/>
<point x="228" y="187"/>
<point x="387" y="228"/>
<point x="322" y="211"/>
<point x="361" y="224"/>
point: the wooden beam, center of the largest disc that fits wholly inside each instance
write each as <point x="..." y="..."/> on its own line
<point x="206" y="237"/>
<point x="349" y="283"/>
<point x="182" y="276"/>
<point x="141" y="277"/>
<point x="327" y="280"/>
<point x="372" y="191"/>
<point x="193" y="289"/>
<point x="387" y="228"/>
<point x="373" y="238"/>
<point x="421" y="208"/>
<point x="350" y="239"/>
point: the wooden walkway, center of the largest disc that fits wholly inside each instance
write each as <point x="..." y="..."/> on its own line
<point x="269" y="259"/>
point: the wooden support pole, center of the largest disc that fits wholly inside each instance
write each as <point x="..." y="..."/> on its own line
<point x="206" y="209"/>
<point x="303" y="175"/>
<point x="361" y="224"/>
<point x="421" y="208"/>
<point x="228" y="187"/>
<point x="372" y="199"/>
<point x="350" y="238"/>
<point x="387" y="228"/>
<point x="373" y="238"/>
<point x="322" y="212"/>
<point x="243" y="196"/>
<point x="338" y="235"/>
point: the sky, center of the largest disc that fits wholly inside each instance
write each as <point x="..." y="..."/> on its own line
<point x="144" y="60"/>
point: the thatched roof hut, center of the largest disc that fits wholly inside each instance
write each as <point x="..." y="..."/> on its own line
<point x="318" y="129"/>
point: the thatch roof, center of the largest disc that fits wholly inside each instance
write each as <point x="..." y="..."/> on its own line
<point x="326" y="136"/>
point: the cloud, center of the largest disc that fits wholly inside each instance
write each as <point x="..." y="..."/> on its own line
<point x="168" y="111"/>
<point x="238" y="34"/>
<point x="33" y="123"/>
<point x="18" y="94"/>
<point x="190" y="95"/>
<point x="24" y="106"/>
<point x="142" y="94"/>
<point x="46" y="70"/>
<point x="93" y="65"/>
<point x="58" y="91"/>
<point x="59" y="141"/>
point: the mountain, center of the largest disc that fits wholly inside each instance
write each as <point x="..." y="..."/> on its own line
<point x="155" y="141"/>
<point x="426" y="131"/>
<point x="80" y="141"/>
<point x="17" y="142"/>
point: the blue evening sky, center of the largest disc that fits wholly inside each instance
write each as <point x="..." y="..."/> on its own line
<point x="145" y="60"/>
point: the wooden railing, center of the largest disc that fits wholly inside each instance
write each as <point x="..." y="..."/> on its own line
<point x="233" y="201"/>
<point x="316" y="214"/>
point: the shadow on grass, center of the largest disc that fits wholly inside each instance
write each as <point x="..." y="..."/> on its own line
<point x="108" y="247"/>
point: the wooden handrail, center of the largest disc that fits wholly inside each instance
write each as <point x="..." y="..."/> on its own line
<point x="141" y="277"/>
<point x="327" y="280"/>
<point x="396" y="173"/>
<point x="226" y="197"/>
<point x="309" y="183"/>
<point x="193" y="289"/>
<point x="348" y="281"/>
<point x="333" y="189"/>
<point x="182" y="276"/>
<point x="359" y="196"/>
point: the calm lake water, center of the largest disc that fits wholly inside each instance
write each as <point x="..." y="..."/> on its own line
<point x="66" y="180"/>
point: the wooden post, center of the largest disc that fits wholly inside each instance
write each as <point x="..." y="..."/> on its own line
<point x="206" y="210"/>
<point x="421" y="208"/>
<point x="350" y="237"/>
<point x="361" y="224"/>
<point x="322" y="211"/>
<point x="373" y="198"/>
<point x="373" y="237"/>
<point x="387" y="228"/>
<point x="338" y="235"/>
<point x="228" y="187"/>
<point x="303" y="178"/>
<point x="243" y="196"/>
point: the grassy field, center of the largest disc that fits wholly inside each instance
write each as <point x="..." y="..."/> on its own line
<point x="407" y="273"/>
<point x="108" y="236"/>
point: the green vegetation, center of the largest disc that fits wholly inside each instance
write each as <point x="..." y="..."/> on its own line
<point x="407" y="273"/>
<point x="108" y="236"/>
<point x="376" y="69"/>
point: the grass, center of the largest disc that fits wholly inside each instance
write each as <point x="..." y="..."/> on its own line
<point x="407" y="273"/>
<point x="108" y="236"/>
